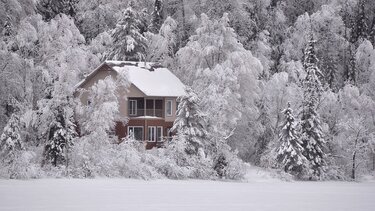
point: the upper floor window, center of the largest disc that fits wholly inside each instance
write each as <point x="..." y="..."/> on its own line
<point x="132" y="107"/>
<point x="168" y="107"/>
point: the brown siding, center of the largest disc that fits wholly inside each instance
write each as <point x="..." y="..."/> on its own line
<point x="121" y="129"/>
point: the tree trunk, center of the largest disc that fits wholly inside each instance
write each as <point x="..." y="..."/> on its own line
<point x="353" y="167"/>
<point x="373" y="161"/>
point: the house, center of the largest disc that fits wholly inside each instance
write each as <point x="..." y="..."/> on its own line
<point x="150" y="103"/>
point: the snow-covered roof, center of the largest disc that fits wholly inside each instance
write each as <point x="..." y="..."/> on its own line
<point x="150" y="78"/>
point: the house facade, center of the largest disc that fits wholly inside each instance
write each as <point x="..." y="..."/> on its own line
<point x="147" y="108"/>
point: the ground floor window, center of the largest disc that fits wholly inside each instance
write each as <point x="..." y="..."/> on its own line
<point x="136" y="132"/>
<point x="155" y="133"/>
<point x="160" y="134"/>
<point x="152" y="133"/>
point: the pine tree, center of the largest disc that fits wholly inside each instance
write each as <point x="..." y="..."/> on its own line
<point x="190" y="122"/>
<point x="50" y="8"/>
<point x="128" y="42"/>
<point x="311" y="134"/>
<point x="157" y="17"/>
<point x="289" y="153"/>
<point x="359" y="29"/>
<point x="61" y="134"/>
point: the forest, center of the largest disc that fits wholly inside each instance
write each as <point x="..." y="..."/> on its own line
<point x="285" y="85"/>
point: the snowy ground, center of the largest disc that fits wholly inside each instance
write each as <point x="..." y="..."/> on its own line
<point x="126" y="194"/>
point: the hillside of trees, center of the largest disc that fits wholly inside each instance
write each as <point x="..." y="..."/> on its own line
<point x="287" y="85"/>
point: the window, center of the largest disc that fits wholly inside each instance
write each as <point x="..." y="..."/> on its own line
<point x="150" y="106"/>
<point x="159" y="108"/>
<point x="160" y="134"/>
<point x="136" y="132"/>
<point x="152" y="133"/>
<point x="132" y="107"/>
<point x="168" y="108"/>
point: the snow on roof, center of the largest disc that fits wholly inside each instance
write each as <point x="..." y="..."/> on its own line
<point x="151" y="79"/>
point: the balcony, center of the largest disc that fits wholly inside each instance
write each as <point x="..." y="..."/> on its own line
<point x="146" y="112"/>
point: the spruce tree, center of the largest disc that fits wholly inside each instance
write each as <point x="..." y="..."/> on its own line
<point x="311" y="131"/>
<point x="60" y="138"/>
<point x="10" y="140"/>
<point x="289" y="153"/>
<point x="190" y="122"/>
<point x="157" y="17"/>
<point x="128" y="41"/>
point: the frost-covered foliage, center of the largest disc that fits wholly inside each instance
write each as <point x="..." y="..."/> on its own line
<point x="311" y="131"/>
<point x="102" y="111"/>
<point x="290" y="152"/>
<point x="327" y="27"/>
<point x="50" y="8"/>
<point x="16" y="161"/>
<point x="190" y="123"/>
<point x="10" y="139"/>
<point x="62" y="132"/>
<point x="194" y="148"/>
<point x="47" y="46"/>
<point x="162" y="45"/>
<point x="223" y="74"/>
<point x="365" y="62"/>
<point x="129" y="44"/>
<point x="355" y="130"/>
<point x="216" y="64"/>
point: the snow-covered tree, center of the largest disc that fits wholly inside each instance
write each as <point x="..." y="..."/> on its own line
<point x="216" y="64"/>
<point x="156" y="17"/>
<point x="10" y="139"/>
<point x="289" y="153"/>
<point x="93" y="151"/>
<point x="222" y="72"/>
<point x="129" y="44"/>
<point x="103" y="110"/>
<point x="266" y="131"/>
<point x="190" y="123"/>
<point x="311" y="131"/>
<point x="364" y="62"/>
<point x="50" y="8"/>
<point x="359" y="25"/>
<point x="328" y="27"/>
<point x="355" y="133"/>
<point x="162" y="46"/>
<point x="62" y="131"/>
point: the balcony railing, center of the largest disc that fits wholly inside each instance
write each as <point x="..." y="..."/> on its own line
<point x="146" y="112"/>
